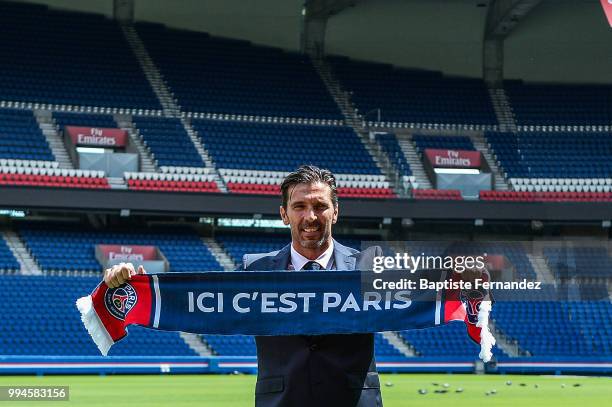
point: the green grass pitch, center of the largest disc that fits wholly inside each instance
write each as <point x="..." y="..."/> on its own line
<point x="398" y="390"/>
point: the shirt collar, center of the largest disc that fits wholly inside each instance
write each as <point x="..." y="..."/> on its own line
<point x="298" y="261"/>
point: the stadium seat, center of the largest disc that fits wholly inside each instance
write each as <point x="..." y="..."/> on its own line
<point x="561" y="158"/>
<point x="448" y="340"/>
<point x="555" y="328"/>
<point x="62" y="247"/>
<point x="53" y="177"/>
<point x="422" y="142"/>
<point x="283" y="147"/>
<point x="8" y="262"/>
<point x="226" y="76"/>
<point x="412" y="96"/>
<point x="394" y="152"/>
<point x="63" y="119"/>
<point x="538" y="104"/>
<point x="21" y="138"/>
<point x="66" y="62"/>
<point x="168" y="141"/>
<point x="545" y="196"/>
<point x="437" y="194"/>
<point x="581" y="262"/>
<point x="51" y="325"/>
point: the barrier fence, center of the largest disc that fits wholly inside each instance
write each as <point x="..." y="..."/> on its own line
<point x="47" y="365"/>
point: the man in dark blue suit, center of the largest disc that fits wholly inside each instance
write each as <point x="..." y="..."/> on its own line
<point x="322" y="370"/>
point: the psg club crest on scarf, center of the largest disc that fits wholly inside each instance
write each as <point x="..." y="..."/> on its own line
<point x="471" y="300"/>
<point x="119" y="301"/>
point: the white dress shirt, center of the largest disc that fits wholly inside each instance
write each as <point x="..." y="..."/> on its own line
<point x="298" y="261"/>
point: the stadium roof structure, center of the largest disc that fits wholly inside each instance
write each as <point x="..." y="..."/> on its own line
<point x="458" y="37"/>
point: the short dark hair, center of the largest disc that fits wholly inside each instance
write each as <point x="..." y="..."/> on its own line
<point x="309" y="174"/>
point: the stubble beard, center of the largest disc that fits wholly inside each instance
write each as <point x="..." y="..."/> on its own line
<point x="315" y="244"/>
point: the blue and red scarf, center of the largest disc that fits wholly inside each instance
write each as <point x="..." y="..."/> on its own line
<point x="276" y="303"/>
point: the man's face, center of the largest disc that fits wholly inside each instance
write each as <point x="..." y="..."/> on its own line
<point x="310" y="213"/>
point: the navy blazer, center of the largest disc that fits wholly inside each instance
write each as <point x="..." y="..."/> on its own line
<point x="322" y="370"/>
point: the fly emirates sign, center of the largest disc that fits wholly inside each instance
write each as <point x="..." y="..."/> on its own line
<point x="97" y="137"/>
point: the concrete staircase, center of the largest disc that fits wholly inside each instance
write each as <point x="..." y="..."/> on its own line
<point x="481" y="145"/>
<point x="501" y="105"/>
<point x="169" y="104"/>
<point x="195" y="342"/>
<point x="208" y="161"/>
<point x="416" y="166"/>
<point x="165" y="96"/>
<point x="146" y="159"/>
<point x="382" y="162"/>
<point x="394" y="339"/>
<point x="50" y="131"/>
<point x="504" y="343"/>
<point x="352" y="119"/>
<point x="536" y="258"/>
<point x="117" y="182"/>
<point x="219" y="254"/>
<point x="341" y="97"/>
<point x="21" y="253"/>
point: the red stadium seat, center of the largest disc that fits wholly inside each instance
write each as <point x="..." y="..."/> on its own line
<point x="53" y="181"/>
<point x="172" y="185"/>
<point x="518" y="196"/>
<point x="437" y="194"/>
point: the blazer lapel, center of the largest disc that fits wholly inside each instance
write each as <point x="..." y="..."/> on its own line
<point x="343" y="257"/>
<point x="281" y="260"/>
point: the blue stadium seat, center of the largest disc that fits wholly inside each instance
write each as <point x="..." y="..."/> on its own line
<point x="84" y="119"/>
<point x="8" y="262"/>
<point x="51" y="325"/>
<point x="446" y="340"/>
<point x="283" y="147"/>
<point x="56" y="57"/>
<point x="566" y="263"/>
<point x="559" y="104"/>
<point x="168" y="141"/>
<point x="237" y="245"/>
<point x="383" y="348"/>
<point x="219" y="75"/>
<point x="231" y="345"/>
<point x="60" y="247"/>
<point x="513" y="251"/>
<point x="414" y="96"/>
<point x="21" y="137"/>
<point x="553" y="328"/>
<point x="442" y="142"/>
<point x="553" y="155"/>
<point x="391" y="147"/>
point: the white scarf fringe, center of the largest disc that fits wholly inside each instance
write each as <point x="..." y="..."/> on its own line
<point x="93" y="324"/>
<point x="486" y="337"/>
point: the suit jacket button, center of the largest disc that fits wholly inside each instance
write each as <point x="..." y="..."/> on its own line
<point x="314" y="347"/>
